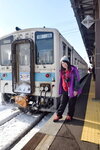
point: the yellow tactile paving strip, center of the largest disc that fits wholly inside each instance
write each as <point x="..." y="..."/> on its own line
<point x="91" y="129"/>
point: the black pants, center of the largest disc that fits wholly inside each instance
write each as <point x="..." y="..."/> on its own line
<point x="64" y="100"/>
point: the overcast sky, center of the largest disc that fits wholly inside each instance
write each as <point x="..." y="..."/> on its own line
<point x="38" y="13"/>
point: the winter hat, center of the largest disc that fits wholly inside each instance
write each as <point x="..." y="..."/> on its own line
<point x="64" y="58"/>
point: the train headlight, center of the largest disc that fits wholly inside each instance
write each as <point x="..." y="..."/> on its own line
<point x="4" y="75"/>
<point x="47" y="75"/>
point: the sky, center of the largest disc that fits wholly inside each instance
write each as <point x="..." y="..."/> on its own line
<point x="38" y="13"/>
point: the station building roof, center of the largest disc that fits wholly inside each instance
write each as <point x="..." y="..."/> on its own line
<point x="83" y="8"/>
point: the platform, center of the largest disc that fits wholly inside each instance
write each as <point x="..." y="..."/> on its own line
<point x="64" y="135"/>
<point x="91" y="129"/>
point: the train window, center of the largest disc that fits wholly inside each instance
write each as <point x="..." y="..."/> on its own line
<point x="6" y="55"/>
<point x="23" y="53"/>
<point x="75" y="62"/>
<point x="64" y="48"/>
<point x="69" y="54"/>
<point x="44" y="47"/>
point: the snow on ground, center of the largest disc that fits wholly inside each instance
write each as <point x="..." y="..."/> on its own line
<point x="11" y="130"/>
<point x="26" y="138"/>
<point x="0" y="98"/>
<point x="7" y="113"/>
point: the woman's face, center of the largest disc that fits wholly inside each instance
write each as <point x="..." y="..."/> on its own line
<point x="64" y="65"/>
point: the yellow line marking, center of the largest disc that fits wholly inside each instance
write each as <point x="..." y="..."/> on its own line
<point x="91" y="129"/>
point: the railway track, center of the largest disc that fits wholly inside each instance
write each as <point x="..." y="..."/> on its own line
<point x="15" y="126"/>
<point x="7" y="114"/>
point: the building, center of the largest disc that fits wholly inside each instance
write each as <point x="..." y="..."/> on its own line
<point x="87" y="13"/>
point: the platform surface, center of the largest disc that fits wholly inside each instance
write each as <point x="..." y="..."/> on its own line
<point x="91" y="128"/>
<point x="64" y="135"/>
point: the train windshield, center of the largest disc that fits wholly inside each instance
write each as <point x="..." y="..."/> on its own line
<point x="44" y="47"/>
<point x="6" y="55"/>
<point x="23" y="54"/>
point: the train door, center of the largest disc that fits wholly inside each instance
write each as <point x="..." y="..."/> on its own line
<point x="5" y="64"/>
<point x="23" y="66"/>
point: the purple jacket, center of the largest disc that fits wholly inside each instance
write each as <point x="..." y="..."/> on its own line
<point x="74" y="82"/>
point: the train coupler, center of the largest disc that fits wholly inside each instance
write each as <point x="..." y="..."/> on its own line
<point x="21" y="100"/>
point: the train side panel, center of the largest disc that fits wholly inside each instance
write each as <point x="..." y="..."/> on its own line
<point x="80" y="64"/>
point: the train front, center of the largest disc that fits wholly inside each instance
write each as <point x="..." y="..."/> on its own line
<point x="33" y="71"/>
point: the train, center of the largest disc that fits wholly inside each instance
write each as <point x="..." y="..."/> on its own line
<point x="30" y="65"/>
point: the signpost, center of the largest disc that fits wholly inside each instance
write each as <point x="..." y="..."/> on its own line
<point x="88" y="21"/>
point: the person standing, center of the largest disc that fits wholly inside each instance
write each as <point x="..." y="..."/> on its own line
<point x="69" y="88"/>
<point x="93" y="72"/>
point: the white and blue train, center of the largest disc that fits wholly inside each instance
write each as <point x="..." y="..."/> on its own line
<point x="30" y="64"/>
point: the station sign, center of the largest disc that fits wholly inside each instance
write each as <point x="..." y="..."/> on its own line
<point x="88" y="21"/>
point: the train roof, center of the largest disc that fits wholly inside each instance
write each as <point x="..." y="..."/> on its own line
<point x="30" y="29"/>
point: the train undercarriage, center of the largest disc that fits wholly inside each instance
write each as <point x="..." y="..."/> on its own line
<point x="30" y="103"/>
